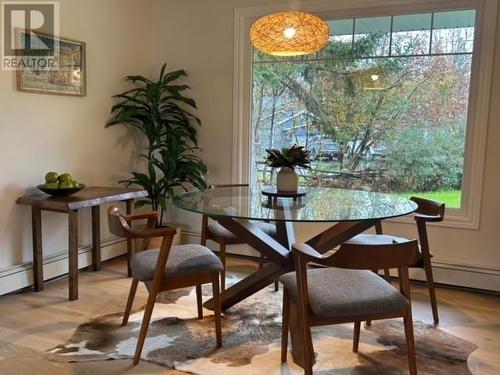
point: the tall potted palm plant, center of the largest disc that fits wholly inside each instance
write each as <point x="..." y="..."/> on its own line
<point x="161" y="113"/>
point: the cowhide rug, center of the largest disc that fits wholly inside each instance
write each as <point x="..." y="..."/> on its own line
<point x="251" y="341"/>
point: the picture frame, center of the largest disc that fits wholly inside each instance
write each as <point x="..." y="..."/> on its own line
<point x="70" y="76"/>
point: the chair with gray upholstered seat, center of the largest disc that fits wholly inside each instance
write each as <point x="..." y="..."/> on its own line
<point x="427" y="211"/>
<point x="346" y="291"/>
<point x="212" y="230"/>
<point x="166" y="268"/>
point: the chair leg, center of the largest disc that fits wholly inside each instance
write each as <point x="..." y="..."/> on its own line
<point x="199" y="301"/>
<point x="284" y="327"/>
<point x="307" y="345"/>
<point x="410" y="343"/>
<point x="130" y="301"/>
<point x="145" y="324"/>
<point x="355" y="338"/>
<point x="217" y="308"/>
<point x="432" y="293"/>
<point x="308" y="361"/>
<point x="222" y="256"/>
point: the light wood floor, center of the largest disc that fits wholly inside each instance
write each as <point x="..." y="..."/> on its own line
<point x="31" y="323"/>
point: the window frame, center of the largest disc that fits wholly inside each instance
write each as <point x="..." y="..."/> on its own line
<point x="468" y="216"/>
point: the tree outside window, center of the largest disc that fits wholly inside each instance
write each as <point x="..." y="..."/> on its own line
<point x="383" y="107"/>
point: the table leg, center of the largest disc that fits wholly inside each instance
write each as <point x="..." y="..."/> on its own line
<point x="278" y="252"/>
<point x="73" y="254"/>
<point x="249" y="285"/>
<point x="36" y="220"/>
<point x="286" y="233"/>
<point x="96" y="238"/>
<point x="278" y="255"/>
<point x="129" y="240"/>
<point x="285" y="236"/>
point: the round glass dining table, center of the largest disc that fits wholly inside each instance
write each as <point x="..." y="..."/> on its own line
<point x="238" y="208"/>
<point x="318" y="205"/>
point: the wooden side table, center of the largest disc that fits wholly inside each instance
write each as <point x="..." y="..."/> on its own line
<point x="91" y="197"/>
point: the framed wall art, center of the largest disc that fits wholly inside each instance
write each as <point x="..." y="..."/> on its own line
<point x="67" y="78"/>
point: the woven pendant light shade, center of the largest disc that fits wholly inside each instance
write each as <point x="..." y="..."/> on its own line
<point x="289" y="33"/>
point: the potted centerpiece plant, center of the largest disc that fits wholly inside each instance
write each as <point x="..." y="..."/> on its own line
<point x="287" y="160"/>
<point x="161" y="113"/>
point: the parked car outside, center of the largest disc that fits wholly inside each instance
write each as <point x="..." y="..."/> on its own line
<point x="328" y="149"/>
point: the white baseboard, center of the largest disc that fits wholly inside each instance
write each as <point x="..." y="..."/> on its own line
<point x="462" y="275"/>
<point x="21" y="276"/>
<point x="445" y="272"/>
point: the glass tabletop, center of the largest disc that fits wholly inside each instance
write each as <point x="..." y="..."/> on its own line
<point x="318" y="205"/>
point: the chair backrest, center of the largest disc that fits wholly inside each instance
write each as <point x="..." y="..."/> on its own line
<point x="427" y="211"/>
<point x="431" y="210"/>
<point x="369" y="257"/>
<point x="118" y="225"/>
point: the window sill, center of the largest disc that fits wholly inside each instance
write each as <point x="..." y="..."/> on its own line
<point x="454" y="218"/>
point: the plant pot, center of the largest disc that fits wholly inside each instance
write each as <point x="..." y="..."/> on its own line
<point x="155" y="242"/>
<point x="287" y="180"/>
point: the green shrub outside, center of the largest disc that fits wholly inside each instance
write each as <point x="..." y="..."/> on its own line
<point x="420" y="159"/>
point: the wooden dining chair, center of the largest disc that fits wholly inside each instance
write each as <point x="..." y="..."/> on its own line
<point x="427" y="211"/>
<point x="349" y="293"/>
<point x="212" y="230"/>
<point x="167" y="268"/>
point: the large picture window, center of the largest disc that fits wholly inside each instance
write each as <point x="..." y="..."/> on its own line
<point x="383" y="107"/>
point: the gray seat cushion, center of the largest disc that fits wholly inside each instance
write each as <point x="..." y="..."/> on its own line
<point x="375" y="239"/>
<point x="220" y="231"/>
<point x="337" y="292"/>
<point x="183" y="260"/>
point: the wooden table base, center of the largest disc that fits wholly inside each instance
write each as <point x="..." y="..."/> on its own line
<point x="278" y="252"/>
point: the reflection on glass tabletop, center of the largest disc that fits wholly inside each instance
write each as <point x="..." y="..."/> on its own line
<point x="319" y="204"/>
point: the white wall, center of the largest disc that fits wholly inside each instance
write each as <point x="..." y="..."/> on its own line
<point x="198" y="36"/>
<point x="39" y="132"/>
<point x="43" y="132"/>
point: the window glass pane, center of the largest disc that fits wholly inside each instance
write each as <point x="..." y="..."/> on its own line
<point x="371" y="121"/>
<point x="453" y="32"/>
<point x="411" y="34"/>
<point x="340" y="44"/>
<point x="372" y="36"/>
<point x="340" y="27"/>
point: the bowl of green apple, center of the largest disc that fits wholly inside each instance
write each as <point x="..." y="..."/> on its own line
<point x="60" y="185"/>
